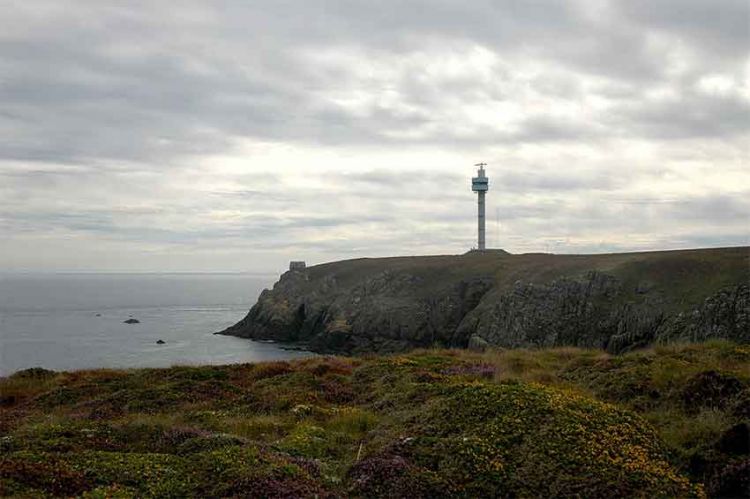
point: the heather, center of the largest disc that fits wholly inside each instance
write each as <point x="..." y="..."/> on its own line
<point x="661" y="422"/>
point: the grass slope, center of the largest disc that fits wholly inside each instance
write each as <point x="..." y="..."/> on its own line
<point x="684" y="277"/>
<point x="665" y="422"/>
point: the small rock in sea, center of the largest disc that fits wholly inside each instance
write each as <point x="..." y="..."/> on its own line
<point x="98" y="315"/>
<point x="131" y="321"/>
<point x="160" y="342"/>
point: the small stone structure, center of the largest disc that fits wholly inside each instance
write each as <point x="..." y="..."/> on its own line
<point x="297" y="265"/>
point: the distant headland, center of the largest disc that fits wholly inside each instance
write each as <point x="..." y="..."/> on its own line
<point x="616" y="302"/>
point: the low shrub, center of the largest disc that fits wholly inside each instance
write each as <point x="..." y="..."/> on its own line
<point x="430" y="423"/>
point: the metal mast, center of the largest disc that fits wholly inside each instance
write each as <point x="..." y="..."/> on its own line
<point x="480" y="185"/>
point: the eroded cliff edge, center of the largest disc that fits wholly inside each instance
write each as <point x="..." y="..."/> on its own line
<point x="612" y="301"/>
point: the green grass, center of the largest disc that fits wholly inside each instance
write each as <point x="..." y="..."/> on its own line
<point x="685" y="277"/>
<point x="527" y="423"/>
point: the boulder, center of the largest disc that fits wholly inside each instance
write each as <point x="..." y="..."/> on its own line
<point x="477" y="343"/>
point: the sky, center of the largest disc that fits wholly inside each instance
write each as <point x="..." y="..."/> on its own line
<point x="239" y="135"/>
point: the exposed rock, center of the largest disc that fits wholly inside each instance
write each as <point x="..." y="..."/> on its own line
<point x="477" y="343"/>
<point x="160" y="342"/>
<point x="725" y="314"/>
<point x="131" y="321"/>
<point x="618" y="302"/>
<point x="561" y="312"/>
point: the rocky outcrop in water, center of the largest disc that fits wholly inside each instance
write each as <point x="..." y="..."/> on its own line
<point x="617" y="302"/>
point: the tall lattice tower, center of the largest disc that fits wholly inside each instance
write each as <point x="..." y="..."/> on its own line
<point x="480" y="185"/>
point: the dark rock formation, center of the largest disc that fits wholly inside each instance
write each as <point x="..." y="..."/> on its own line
<point x="617" y="302"/>
<point x="131" y="321"/>
<point x="160" y="342"/>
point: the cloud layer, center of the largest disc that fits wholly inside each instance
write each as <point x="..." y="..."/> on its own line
<point x="238" y="135"/>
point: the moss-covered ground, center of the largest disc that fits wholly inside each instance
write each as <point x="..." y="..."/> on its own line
<point x="664" y="422"/>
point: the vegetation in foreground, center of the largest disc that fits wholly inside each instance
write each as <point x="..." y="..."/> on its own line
<point x="664" y="422"/>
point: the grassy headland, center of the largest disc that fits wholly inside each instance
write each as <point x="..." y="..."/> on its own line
<point x="617" y="302"/>
<point x="669" y="421"/>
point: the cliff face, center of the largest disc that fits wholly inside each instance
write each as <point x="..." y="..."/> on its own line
<point x="616" y="301"/>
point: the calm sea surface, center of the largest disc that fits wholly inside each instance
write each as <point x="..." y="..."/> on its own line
<point x="75" y="321"/>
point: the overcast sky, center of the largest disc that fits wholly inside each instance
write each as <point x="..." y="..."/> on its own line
<point x="237" y="135"/>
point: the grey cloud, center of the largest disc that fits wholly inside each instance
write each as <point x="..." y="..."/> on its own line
<point x="553" y="179"/>
<point x="690" y="116"/>
<point x="117" y="223"/>
<point x="719" y="28"/>
<point x="105" y="106"/>
<point x="405" y="179"/>
<point x="713" y="207"/>
<point x="540" y="129"/>
<point x="74" y="93"/>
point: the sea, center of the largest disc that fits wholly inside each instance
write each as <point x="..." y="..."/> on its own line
<point x="71" y="321"/>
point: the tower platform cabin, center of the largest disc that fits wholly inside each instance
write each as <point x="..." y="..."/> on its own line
<point x="480" y="184"/>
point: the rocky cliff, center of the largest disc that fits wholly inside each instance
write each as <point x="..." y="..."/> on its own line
<point x="612" y="301"/>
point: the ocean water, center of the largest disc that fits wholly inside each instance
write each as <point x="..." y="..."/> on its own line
<point x="75" y="321"/>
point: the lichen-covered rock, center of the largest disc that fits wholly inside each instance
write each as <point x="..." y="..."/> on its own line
<point x="725" y="314"/>
<point x="477" y="343"/>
